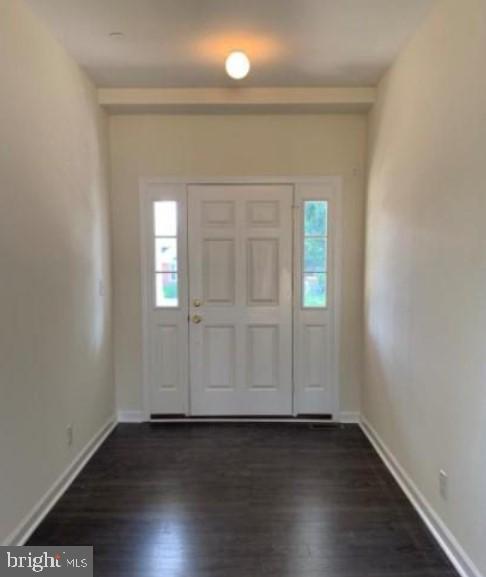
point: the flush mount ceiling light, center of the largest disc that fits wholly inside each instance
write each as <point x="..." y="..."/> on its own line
<point x="237" y="65"/>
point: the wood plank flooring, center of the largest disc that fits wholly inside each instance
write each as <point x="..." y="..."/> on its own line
<point x="242" y="500"/>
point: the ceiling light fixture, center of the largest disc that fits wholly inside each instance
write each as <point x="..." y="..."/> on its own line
<point x="237" y="65"/>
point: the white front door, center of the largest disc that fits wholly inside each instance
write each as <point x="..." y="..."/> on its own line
<point x="240" y="299"/>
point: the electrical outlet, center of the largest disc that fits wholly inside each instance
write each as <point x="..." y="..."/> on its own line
<point x="101" y="288"/>
<point x="443" y="484"/>
<point x="70" y="435"/>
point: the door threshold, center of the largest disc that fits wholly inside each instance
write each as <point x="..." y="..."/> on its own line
<point x="321" y="419"/>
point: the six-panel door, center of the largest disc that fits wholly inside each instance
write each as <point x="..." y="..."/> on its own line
<point x="240" y="299"/>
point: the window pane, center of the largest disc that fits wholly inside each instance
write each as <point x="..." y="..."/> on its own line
<point x="165" y="218"/>
<point x="315" y="255"/>
<point x="165" y="254"/>
<point x="315" y="218"/>
<point x="315" y="290"/>
<point x="166" y="291"/>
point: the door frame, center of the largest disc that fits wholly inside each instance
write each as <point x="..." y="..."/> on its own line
<point x="334" y="181"/>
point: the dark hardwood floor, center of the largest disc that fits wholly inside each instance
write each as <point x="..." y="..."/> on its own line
<point x="242" y="500"/>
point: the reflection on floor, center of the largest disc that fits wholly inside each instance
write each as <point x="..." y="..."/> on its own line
<point x="242" y="500"/>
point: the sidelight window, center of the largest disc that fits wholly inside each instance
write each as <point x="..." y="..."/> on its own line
<point x="165" y="251"/>
<point x="315" y="265"/>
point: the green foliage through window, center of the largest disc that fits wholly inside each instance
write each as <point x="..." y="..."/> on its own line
<point x="314" y="281"/>
<point x="315" y="219"/>
<point x="315" y="290"/>
<point x="315" y="254"/>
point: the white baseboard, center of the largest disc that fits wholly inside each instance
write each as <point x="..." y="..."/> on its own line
<point x="130" y="417"/>
<point x="449" y="544"/>
<point x="349" y="417"/>
<point x="31" y="521"/>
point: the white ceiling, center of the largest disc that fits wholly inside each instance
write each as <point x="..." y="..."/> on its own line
<point x="182" y="43"/>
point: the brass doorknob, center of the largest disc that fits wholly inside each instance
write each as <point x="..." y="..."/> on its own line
<point x="196" y="319"/>
<point x="197" y="302"/>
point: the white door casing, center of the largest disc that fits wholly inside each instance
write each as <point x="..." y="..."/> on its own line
<point x="257" y="350"/>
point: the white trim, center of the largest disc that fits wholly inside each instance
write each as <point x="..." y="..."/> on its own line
<point x="335" y="180"/>
<point x="131" y="417"/>
<point x="351" y="417"/>
<point x="197" y="180"/>
<point x="444" y="537"/>
<point x="250" y="99"/>
<point x="38" y="512"/>
<point x="144" y="280"/>
<point x="338" y="284"/>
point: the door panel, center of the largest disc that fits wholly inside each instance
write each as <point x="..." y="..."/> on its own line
<point x="262" y="357"/>
<point x="240" y="262"/>
<point x="316" y="349"/>
<point x="219" y="354"/>
<point x="165" y="357"/>
<point x="262" y="271"/>
<point x="218" y="271"/>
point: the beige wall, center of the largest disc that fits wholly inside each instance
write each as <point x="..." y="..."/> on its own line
<point x="425" y="390"/>
<point x="55" y="352"/>
<point x="156" y="145"/>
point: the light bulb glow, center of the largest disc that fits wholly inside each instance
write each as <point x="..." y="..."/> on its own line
<point x="237" y="65"/>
